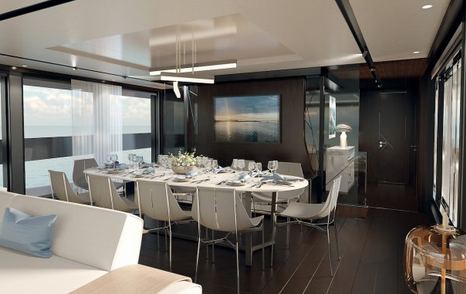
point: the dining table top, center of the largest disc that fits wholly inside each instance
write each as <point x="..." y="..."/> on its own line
<point x="242" y="181"/>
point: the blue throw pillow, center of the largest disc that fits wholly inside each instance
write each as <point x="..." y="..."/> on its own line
<point x="29" y="234"/>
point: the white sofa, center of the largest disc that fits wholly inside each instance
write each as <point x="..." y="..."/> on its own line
<point x="88" y="243"/>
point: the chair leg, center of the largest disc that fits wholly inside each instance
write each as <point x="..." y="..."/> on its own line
<point x="213" y="247"/>
<point x="158" y="240"/>
<point x="272" y="247"/>
<point x="170" y="245"/>
<point x="288" y="233"/>
<point x="336" y="239"/>
<point x="197" y="256"/>
<point x="329" y="251"/>
<point x="237" y="264"/>
<point x="263" y="248"/>
<point x="207" y="239"/>
<point x="166" y="237"/>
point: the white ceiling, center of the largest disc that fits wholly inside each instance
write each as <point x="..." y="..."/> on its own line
<point x="395" y="29"/>
<point x="131" y="37"/>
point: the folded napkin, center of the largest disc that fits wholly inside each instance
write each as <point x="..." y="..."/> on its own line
<point x="273" y="177"/>
<point x="148" y="170"/>
<point x="219" y="170"/>
<point x="243" y="177"/>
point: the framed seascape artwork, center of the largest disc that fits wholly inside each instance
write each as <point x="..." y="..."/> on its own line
<point x="254" y="119"/>
<point x="332" y="117"/>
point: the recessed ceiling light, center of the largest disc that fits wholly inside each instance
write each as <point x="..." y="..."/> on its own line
<point x="427" y="6"/>
<point x="24" y="65"/>
<point x="13" y="67"/>
<point x="416" y="52"/>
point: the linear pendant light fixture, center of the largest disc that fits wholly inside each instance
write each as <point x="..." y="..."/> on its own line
<point x="185" y="78"/>
<point x="226" y="64"/>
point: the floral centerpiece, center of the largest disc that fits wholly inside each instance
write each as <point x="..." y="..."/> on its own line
<point x="183" y="163"/>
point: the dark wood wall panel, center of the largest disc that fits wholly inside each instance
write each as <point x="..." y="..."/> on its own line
<point x="292" y="147"/>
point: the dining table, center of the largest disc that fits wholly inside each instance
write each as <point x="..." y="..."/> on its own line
<point x="245" y="182"/>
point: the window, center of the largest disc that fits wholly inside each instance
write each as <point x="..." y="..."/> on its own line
<point x="47" y="134"/>
<point x="449" y="95"/>
<point x="49" y="129"/>
<point x="174" y="124"/>
<point x="136" y="127"/>
<point x="3" y="172"/>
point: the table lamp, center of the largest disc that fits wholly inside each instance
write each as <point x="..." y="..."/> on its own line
<point x="343" y="128"/>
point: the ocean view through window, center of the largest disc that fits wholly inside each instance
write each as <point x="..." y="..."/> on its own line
<point x="48" y="131"/>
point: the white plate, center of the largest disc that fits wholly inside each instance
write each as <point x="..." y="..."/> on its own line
<point x="180" y="180"/>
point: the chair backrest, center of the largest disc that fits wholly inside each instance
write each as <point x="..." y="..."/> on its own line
<point x="100" y="191"/>
<point x="157" y="201"/>
<point x="79" y="166"/>
<point x="331" y="201"/>
<point x="57" y="182"/>
<point x="290" y="169"/>
<point x="220" y="209"/>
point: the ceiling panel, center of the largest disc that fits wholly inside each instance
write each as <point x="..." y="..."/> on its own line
<point x="395" y="29"/>
<point x="9" y="5"/>
<point x="130" y="37"/>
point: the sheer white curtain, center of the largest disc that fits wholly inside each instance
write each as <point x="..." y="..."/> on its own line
<point x="97" y="120"/>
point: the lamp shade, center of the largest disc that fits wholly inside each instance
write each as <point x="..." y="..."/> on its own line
<point x="343" y="128"/>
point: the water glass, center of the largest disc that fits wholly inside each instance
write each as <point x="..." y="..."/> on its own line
<point x="214" y="164"/>
<point x="272" y="165"/>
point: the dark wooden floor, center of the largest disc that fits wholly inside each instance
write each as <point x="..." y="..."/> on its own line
<point x="371" y="252"/>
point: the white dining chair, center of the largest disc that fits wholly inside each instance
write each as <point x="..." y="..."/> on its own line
<point x="288" y="169"/>
<point x="62" y="190"/>
<point x="157" y="202"/>
<point x="261" y="201"/>
<point x="305" y="213"/>
<point x="103" y="193"/>
<point x="221" y="210"/>
<point x="79" y="178"/>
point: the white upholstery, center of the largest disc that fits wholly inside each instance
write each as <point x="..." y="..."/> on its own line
<point x="97" y="237"/>
<point x="20" y="273"/>
<point x="88" y="243"/>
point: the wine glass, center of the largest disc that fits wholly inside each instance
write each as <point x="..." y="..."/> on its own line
<point x="259" y="167"/>
<point x="241" y="164"/>
<point x="208" y="164"/>
<point x="251" y="166"/>
<point x="272" y="165"/>
<point x="139" y="160"/>
<point x="234" y="164"/>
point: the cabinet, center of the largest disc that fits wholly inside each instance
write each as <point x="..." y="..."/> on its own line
<point x="339" y="160"/>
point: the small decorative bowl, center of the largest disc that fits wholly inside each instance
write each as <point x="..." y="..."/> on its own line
<point x="182" y="170"/>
